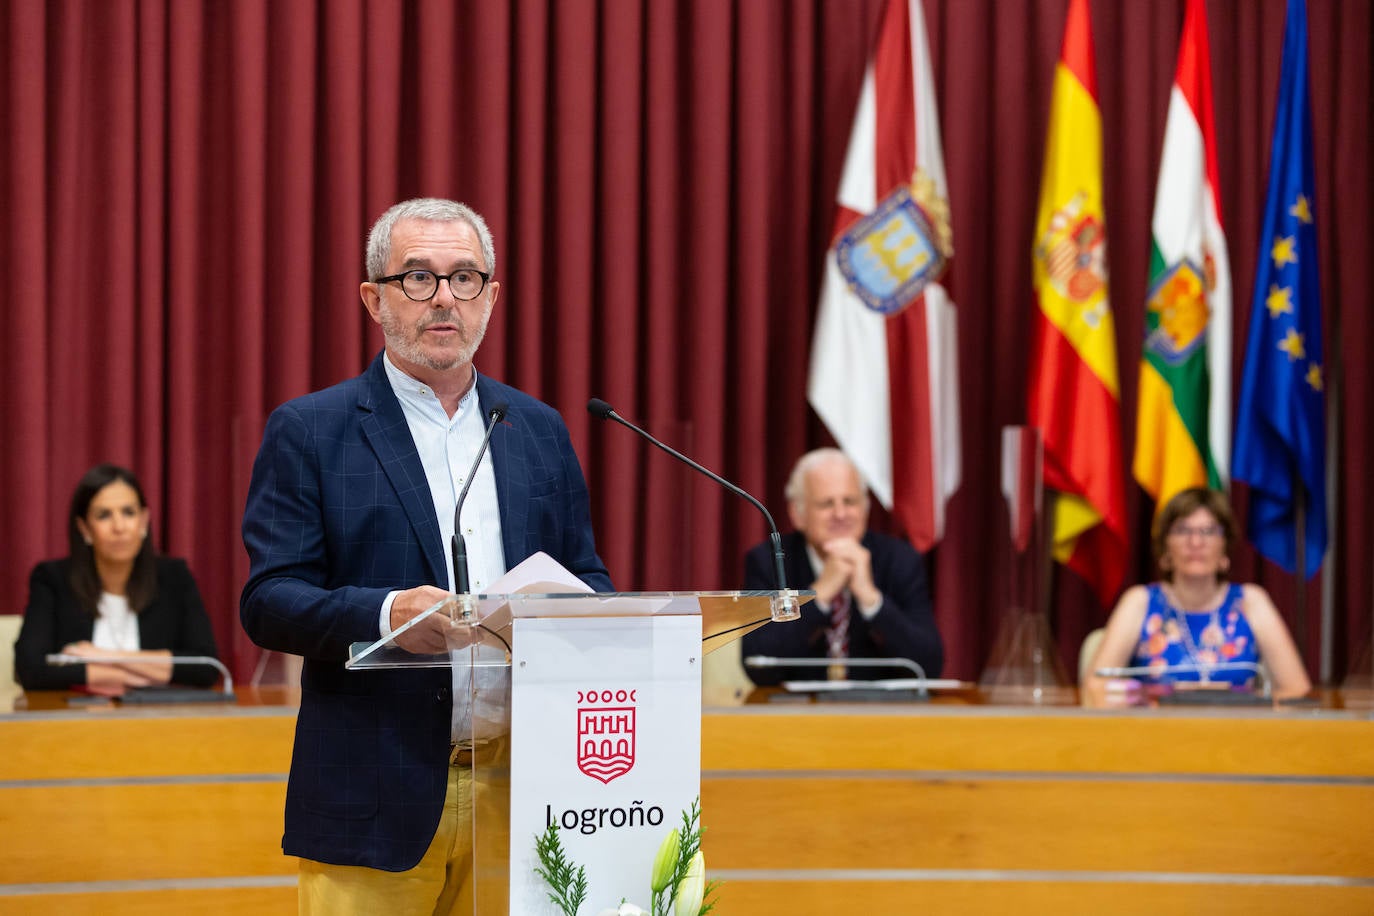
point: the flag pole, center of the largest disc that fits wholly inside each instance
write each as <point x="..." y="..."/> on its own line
<point x="1044" y="560"/>
<point x="1327" y="621"/>
<point x="1299" y="532"/>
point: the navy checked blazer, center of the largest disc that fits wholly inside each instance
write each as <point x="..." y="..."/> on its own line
<point x="339" y="514"/>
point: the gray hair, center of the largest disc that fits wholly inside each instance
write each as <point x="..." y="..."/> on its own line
<point x="430" y="209"/>
<point x="795" y="491"/>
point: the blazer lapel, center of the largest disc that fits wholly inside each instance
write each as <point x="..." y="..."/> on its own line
<point x="385" y="429"/>
<point x="510" y="464"/>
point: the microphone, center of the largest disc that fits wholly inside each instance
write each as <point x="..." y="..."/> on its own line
<point x="1188" y="668"/>
<point x="785" y="606"/>
<point x="60" y="658"/>
<point x="460" y="544"/>
<point x="920" y="682"/>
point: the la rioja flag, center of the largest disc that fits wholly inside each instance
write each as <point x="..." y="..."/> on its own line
<point x="884" y="368"/>
<point x="1183" y="423"/>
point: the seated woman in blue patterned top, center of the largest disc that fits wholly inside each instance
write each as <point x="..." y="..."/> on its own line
<point x="1194" y="625"/>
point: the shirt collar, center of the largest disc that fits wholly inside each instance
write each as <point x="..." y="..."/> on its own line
<point x="414" y="393"/>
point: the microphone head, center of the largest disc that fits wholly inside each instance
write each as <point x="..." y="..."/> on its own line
<point x="498" y="411"/>
<point x="600" y="409"/>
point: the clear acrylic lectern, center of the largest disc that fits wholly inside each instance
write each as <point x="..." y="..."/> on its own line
<point x="577" y="703"/>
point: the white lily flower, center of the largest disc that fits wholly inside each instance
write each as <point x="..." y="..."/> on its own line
<point x="693" y="887"/>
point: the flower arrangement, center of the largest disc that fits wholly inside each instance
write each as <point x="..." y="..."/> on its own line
<point x="677" y="883"/>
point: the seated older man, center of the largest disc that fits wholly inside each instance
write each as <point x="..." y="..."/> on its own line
<point x="872" y="600"/>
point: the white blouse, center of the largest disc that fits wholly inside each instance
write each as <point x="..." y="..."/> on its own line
<point x="117" y="625"/>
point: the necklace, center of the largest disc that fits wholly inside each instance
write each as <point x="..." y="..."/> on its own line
<point x="1194" y="654"/>
<point x="1210" y="634"/>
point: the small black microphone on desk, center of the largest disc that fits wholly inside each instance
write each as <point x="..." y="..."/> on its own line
<point x="786" y="608"/>
<point x="460" y="544"/>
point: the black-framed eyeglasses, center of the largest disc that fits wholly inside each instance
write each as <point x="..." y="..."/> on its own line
<point x="421" y="285"/>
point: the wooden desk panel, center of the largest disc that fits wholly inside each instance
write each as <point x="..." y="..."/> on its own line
<point x="1060" y="741"/>
<point x="110" y="745"/>
<point x="152" y="810"/>
<point x="126" y="832"/>
<point x="223" y="901"/>
<point x="897" y="822"/>
<point x="961" y="898"/>
<point x="977" y="809"/>
<point x="809" y="810"/>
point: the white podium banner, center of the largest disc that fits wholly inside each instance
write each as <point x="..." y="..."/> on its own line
<point x="606" y="732"/>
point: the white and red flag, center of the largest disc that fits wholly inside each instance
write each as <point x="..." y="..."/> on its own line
<point x="884" y="365"/>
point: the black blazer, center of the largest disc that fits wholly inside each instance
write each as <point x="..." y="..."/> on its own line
<point x="175" y="620"/>
<point x="904" y="626"/>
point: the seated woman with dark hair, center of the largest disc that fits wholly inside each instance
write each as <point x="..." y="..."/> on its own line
<point x="1195" y="625"/>
<point x="112" y="597"/>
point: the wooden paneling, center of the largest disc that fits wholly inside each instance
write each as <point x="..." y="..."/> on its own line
<point x="819" y="809"/>
<point x="932" y="898"/>
<point x="109" y="744"/>
<point x="141" y="832"/>
<point x="1057" y="811"/>
<point x="1070" y="824"/>
<point x="220" y="901"/>
<point x="145" y="795"/>
<point x="1071" y="740"/>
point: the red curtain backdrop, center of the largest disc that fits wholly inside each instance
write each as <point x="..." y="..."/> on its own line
<point x="187" y="184"/>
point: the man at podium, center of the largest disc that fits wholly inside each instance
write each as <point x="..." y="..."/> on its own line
<point x="872" y="600"/>
<point x="352" y="503"/>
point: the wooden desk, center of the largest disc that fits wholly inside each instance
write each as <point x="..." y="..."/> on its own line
<point x="978" y="809"/>
<point x="809" y="809"/>
<point x="108" y="809"/>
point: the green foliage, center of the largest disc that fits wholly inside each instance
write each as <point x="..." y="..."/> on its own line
<point x="567" y="883"/>
<point x="689" y="841"/>
<point x="707" y="904"/>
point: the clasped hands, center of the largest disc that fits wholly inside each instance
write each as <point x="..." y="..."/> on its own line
<point x="847" y="565"/>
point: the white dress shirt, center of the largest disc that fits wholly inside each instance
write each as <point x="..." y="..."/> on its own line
<point x="447" y="447"/>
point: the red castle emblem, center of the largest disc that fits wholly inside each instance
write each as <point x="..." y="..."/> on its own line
<point x="605" y="733"/>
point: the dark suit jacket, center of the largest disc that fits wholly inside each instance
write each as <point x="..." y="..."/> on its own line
<point x="903" y="628"/>
<point x="175" y="620"/>
<point x="339" y="514"/>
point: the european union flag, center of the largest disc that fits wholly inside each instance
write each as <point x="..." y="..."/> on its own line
<point x="1281" y="419"/>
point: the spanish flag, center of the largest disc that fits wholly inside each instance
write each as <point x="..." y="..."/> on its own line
<point x="1183" y="427"/>
<point x="1074" y="396"/>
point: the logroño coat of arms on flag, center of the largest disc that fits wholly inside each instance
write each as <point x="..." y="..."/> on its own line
<point x="889" y="255"/>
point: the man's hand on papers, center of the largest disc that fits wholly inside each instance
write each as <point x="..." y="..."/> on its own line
<point x="433" y="635"/>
